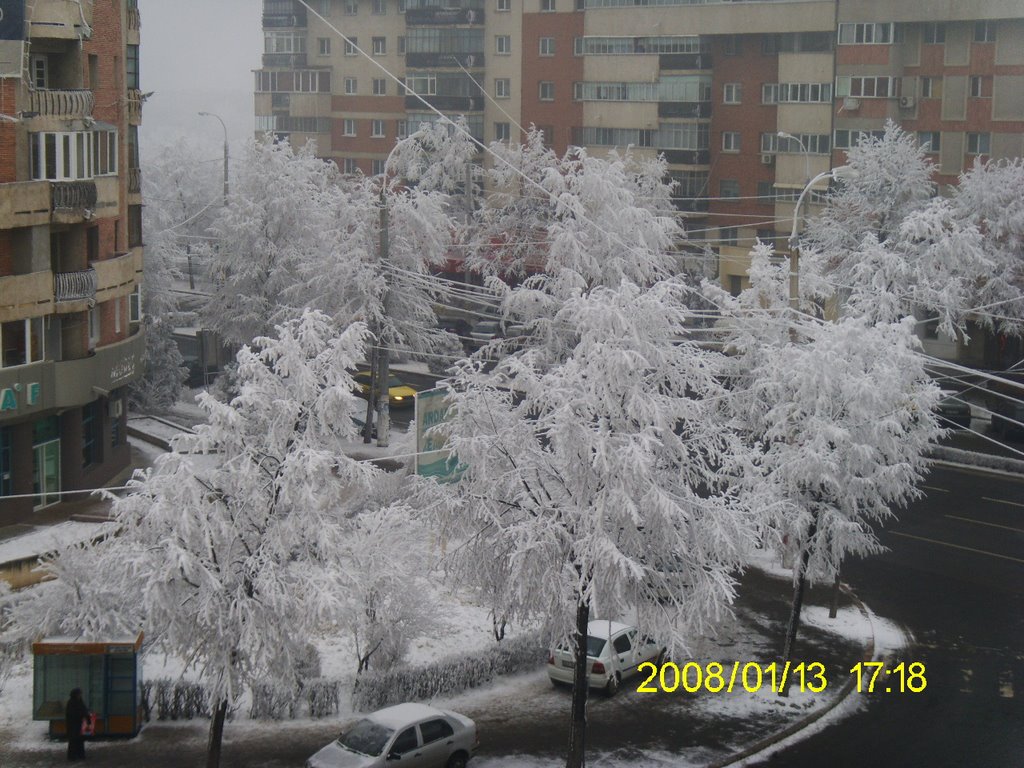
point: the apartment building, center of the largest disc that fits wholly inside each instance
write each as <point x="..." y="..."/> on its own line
<point x="747" y="100"/>
<point x="70" y="246"/>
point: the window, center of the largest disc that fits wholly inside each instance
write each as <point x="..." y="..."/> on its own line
<point x="68" y="156"/>
<point x="351" y="86"/>
<point x="379" y="45"/>
<point x="135" y="305"/>
<point x="730" y="141"/>
<point x="432" y="730"/>
<point x="731" y="93"/>
<point x="502" y="88"/>
<point x="546" y="90"/>
<point x="502" y="132"/>
<point x="765" y="191"/>
<point x="21" y="341"/>
<point x="349" y="166"/>
<point x="934" y="33"/>
<point x="503" y="45"/>
<point x="975" y="86"/>
<point x="503" y="6"/>
<point x="926" y="85"/>
<point x="405" y="741"/>
<point x="94" y="327"/>
<point x="846" y="138"/>
<point x="380" y="86"/>
<point x="348" y="127"/>
<point x="929" y="140"/>
<point x="728" y="235"/>
<point x="731" y="45"/>
<point x="380" y="7"/>
<point x="867" y="33"/>
<point x="981" y="87"/>
<point x="766" y="235"/>
<point x="735" y="285"/>
<point x="377" y="129"/>
<point x="621" y="644"/>
<point x="283" y="42"/>
<point x="131" y="63"/>
<point x="984" y="31"/>
<point x="377" y="167"/>
<point x="814" y="143"/>
<point x="547" y="46"/>
<point x="350" y="46"/>
<point x="547" y="6"/>
<point x="868" y="87"/>
<point x="40" y="72"/>
<point x="117" y="315"/>
<point x="351" y="7"/>
<point x="401" y="129"/>
<point x="979" y="143"/>
<point x="796" y="93"/>
<point x="323" y="46"/>
<point x="728" y="188"/>
<point x="401" y="45"/>
<point x="91" y="431"/>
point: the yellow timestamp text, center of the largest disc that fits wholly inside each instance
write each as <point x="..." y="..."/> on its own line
<point x="876" y="677"/>
<point x="715" y="677"/>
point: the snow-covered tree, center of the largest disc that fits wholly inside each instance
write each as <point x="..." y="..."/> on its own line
<point x="227" y="549"/>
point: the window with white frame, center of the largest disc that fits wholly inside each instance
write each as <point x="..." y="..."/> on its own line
<point x="401" y="45"/>
<point x="135" y="305"/>
<point x="351" y="7"/>
<point x="349" y="166"/>
<point x="796" y="93"/>
<point x="933" y="33"/>
<point x="868" y="87"/>
<point x="866" y="33"/>
<point x="728" y="235"/>
<point x="351" y="86"/>
<point x="846" y="138"/>
<point x="546" y="90"/>
<point x="502" y="131"/>
<point x="377" y="167"/>
<point x="377" y="129"/>
<point x="73" y="155"/>
<point x="401" y="129"/>
<point x="424" y="85"/>
<point x="380" y="86"/>
<point x="547" y="6"/>
<point x="503" y="45"/>
<point x="94" y="327"/>
<point x="979" y="143"/>
<point x="502" y="88"/>
<point x="348" y="127"/>
<point x="547" y="46"/>
<point x="379" y="45"/>
<point x="930" y="141"/>
<point x="815" y="143"/>
<point x="732" y="93"/>
<point x="350" y="46"/>
<point x="984" y="31"/>
<point x="729" y="188"/>
<point x="40" y="70"/>
<point x="323" y="46"/>
<point x="21" y="342"/>
<point x="503" y="6"/>
<point x="283" y="42"/>
<point x="380" y="7"/>
<point x="926" y="87"/>
<point x="730" y="141"/>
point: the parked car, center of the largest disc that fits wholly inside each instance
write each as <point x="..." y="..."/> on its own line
<point x="953" y="411"/>
<point x="1006" y="401"/>
<point x="400" y="394"/>
<point x="407" y="735"/>
<point x="486" y="330"/>
<point x="614" y="651"/>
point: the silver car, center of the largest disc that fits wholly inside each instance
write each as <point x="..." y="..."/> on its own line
<point x="614" y="651"/>
<point x="408" y="735"/>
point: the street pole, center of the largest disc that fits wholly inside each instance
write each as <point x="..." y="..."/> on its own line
<point x="840" y="172"/>
<point x="222" y="125"/>
<point x="384" y="399"/>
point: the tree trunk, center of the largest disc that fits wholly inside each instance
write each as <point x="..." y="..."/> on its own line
<point x="833" y="608"/>
<point x="216" y="734"/>
<point x="368" y="425"/>
<point x="580" y="689"/>
<point x="798" y="595"/>
<point x="384" y="403"/>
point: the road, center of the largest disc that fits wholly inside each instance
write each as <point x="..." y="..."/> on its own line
<point x="955" y="576"/>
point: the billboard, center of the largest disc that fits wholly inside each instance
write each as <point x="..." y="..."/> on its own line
<point x="12" y="19"/>
<point x="433" y="459"/>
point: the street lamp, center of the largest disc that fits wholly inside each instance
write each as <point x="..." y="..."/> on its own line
<point x="222" y="125"/>
<point x="803" y="148"/>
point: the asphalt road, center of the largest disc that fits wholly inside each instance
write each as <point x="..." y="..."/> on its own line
<point x="954" y="576"/>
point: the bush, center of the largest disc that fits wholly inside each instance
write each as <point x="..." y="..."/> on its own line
<point x="273" y="702"/>
<point x="452" y="674"/>
<point x="176" y="699"/>
<point x="322" y="697"/>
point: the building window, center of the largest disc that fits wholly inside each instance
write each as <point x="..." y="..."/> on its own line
<point x="91" y="431"/>
<point x="731" y="45"/>
<point x="929" y="140"/>
<point x="377" y="167"/>
<point x="131" y="63"/>
<point x="728" y="188"/>
<point x="984" y="31"/>
<point x="348" y="127"/>
<point x="813" y="143"/>
<point x="503" y="6"/>
<point x="981" y="87"/>
<point x="866" y="34"/>
<point x="401" y="129"/>
<point x="503" y="45"/>
<point x="351" y="86"/>
<point x="94" y="327"/>
<point x="934" y="33"/>
<point x="401" y="45"/>
<point x="117" y="315"/>
<point x="40" y="72"/>
<point x="380" y="86"/>
<point x="868" y="87"/>
<point x="502" y="88"/>
<point x="731" y="141"/>
<point x="377" y="129"/>
<point x="547" y="46"/>
<point x="73" y="155"/>
<point x="380" y="7"/>
<point x="728" y="235"/>
<point x="546" y="90"/>
<point x="135" y="305"/>
<point x="349" y="166"/>
<point x="350" y="46"/>
<point x="323" y="46"/>
<point x="796" y="93"/>
<point x="731" y="93"/>
<point x="547" y="6"/>
<point x="846" y="138"/>
<point x="765" y="192"/>
<point x="351" y="7"/>
<point x="21" y="342"/>
<point x="380" y="46"/>
<point x="502" y="131"/>
<point x="926" y="84"/>
<point x="979" y="143"/>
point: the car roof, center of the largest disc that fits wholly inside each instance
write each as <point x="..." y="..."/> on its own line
<point x="402" y="715"/>
<point x="604" y="629"/>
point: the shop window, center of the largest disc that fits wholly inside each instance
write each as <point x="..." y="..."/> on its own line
<point x="92" y="425"/>
<point x="21" y="342"/>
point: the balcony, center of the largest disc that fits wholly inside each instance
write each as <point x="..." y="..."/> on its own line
<point x="687" y="156"/>
<point x="73" y="196"/>
<point x="118" y="275"/>
<point x="442" y="60"/>
<point x="25" y="204"/>
<point x="134" y="106"/>
<point x="447" y="103"/>
<point x="443" y="16"/>
<point x="75" y="286"/>
<point x="285" y="61"/>
<point x="68" y="104"/>
<point x="134" y="181"/>
<point x="24" y="296"/>
<point x="684" y="109"/>
<point x="134" y="20"/>
<point x="60" y="19"/>
<point x="669" y="61"/>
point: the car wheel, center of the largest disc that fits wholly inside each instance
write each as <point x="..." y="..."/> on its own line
<point x="612" y="686"/>
<point x="458" y="760"/>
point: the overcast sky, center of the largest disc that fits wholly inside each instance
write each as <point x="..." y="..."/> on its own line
<point x="198" y="55"/>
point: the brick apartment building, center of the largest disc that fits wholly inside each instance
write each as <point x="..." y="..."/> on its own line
<point x="747" y="100"/>
<point x="70" y="246"/>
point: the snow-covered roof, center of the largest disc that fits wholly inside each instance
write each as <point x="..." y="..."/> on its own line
<point x="401" y="715"/>
<point x="605" y="629"/>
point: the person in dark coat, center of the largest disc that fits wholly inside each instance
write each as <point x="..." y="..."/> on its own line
<point x="75" y="714"/>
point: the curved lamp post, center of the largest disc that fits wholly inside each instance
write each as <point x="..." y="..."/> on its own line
<point x="222" y="125"/>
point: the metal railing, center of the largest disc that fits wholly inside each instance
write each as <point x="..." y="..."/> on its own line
<point x="72" y="195"/>
<point x="75" y="286"/>
<point x="64" y="103"/>
<point x="134" y="19"/>
<point x="134" y="105"/>
<point x="134" y="181"/>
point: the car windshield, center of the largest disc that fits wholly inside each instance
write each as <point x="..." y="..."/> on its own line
<point x="487" y="328"/>
<point x="595" y="645"/>
<point x="366" y="737"/>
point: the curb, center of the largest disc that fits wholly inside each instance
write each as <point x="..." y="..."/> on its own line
<point x="976" y="468"/>
<point x="814" y="716"/>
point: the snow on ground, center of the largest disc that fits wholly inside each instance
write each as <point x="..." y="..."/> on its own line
<point x="49" y="539"/>
<point x="161" y="428"/>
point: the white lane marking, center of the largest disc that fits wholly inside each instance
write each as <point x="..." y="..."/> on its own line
<point x="1006" y="684"/>
<point x="934" y="488"/>
<point x="982" y="522"/>
<point x="1004" y="501"/>
<point x="967" y="675"/>
<point x="957" y="546"/>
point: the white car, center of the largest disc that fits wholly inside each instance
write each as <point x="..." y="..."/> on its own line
<point x="614" y="651"/>
<point x="407" y="735"/>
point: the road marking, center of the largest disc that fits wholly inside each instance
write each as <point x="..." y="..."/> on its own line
<point x="1006" y="684"/>
<point x="967" y="674"/>
<point x="934" y="488"/>
<point x="958" y="546"/>
<point x="1003" y="501"/>
<point x="982" y="522"/>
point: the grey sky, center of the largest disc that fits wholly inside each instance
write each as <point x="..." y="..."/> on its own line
<point x="198" y="55"/>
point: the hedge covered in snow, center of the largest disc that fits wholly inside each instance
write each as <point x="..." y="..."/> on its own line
<point x="451" y="674"/>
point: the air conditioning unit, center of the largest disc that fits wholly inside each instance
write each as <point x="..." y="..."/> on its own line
<point x="851" y="104"/>
<point x="767" y="159"/>
<point x="115" y="408"/>
<point x="906" y="102"/>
